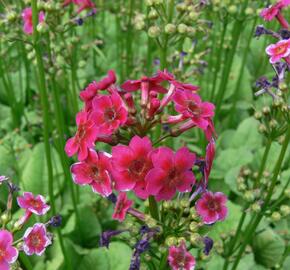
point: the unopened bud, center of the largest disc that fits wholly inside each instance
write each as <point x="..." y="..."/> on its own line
<point x="285" y="210"/>
<point x="154" y="31"/>
<point x="153" y="15"/>
<point x="170" y="28"/>
<point x="276" y="216"/>
<point x="232" y="9"/>
<point x="262" y="128"/>
<point x="256" y="207"/>
<point x="266" y="110"/>
<point x="258" y="115"/>
<point x="194" y="238"/>
<point x="182" y="28"/>
<point x="170" y="241"/>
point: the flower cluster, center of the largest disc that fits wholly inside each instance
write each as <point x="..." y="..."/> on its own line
<point x="35" y="239"/>
<point x="139" y="162"/>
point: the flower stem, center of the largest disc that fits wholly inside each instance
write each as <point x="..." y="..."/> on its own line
<point x="153" y="208"/>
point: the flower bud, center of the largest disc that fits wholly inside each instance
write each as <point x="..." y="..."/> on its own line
<point x="242" y="187"/>
<point x="233" y="9"/>
<point x="249" y="11"/>
<point x="82" y="63"/>
<point x="256" y="207"/>
<point x="193" y="15"/>
<point x="180" y="240"/>
<point x="258" y="115"/>
<point x="194" y="238"/>
<point x="193" y="226"/>
<point x="170" y="28"/>
<point x="262" y="128"/>
<point x="170" y="241"/>
<point x="153" y="15"/>
<point x="266" y="110"/>
<point x="287" y="192"/>
<point x="273" y="124"/>
<point x="283" y="87"/>
<point x="276" y="216"/>
<point x="182" y="28"/>
<point x="154" y="31"/>
<point x="184" y="203"/>
<point x="285" y="210"/>
<point x="277" y="103"/>
<point x="181" y="7"/>
<point x="42" y="27"/>
<point x="249" y="196"/>
<point x="149" y="3"/>
<point x="11" y="16"/>
<point x="48" y="6"/>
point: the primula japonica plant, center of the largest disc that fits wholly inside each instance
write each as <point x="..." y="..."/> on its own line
<point x="135" y="120"/>
<point x="19" y="234"/>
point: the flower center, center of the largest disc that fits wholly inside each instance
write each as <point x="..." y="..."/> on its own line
<point x="35" y="240"/>
<point x="110" y="114"/>
<point x="81" y="132"/>
<point x="194" y="108"/>
<point x="95" y="174"/>
<point x="172" y="177"/>
<point x="281" y="49"/>
<point x="137" y="166"/>
<point x="35" y="203"/>
<point x="212" y="205"/>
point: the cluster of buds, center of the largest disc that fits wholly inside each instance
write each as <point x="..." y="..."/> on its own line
<point x="35" y="239"/>
<point x="134" y="119"/>
<point x="279" y="54"/>
<point x="232" y="8"/>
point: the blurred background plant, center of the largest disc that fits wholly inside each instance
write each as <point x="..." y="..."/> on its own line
<point x="207" y="43"/>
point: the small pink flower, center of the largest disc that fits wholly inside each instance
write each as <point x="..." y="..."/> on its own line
<point x="190" y="106"/>
<point x="2" y="178"/>
<point x="94" y="171"/>
<point x="179" y="258"/>
<point x="109" y="112"/>
<point x="171" y="171"/>
<point x="272" y="11"/>
<point x="36" y="239"/>
<point x="82" y="4"/>
<point x="8" y="253"/>
<point x="84" y="138"/>
<point x="27" y="20"/>
<point x="131" y="165"/>
<point x="212" y="207"/>
<point x="209" y="157"/>
<point x="279" y="50"/>
<point x="34" y="204"/>
<point x="122" y="206"/>
<point x="92" y="89"/>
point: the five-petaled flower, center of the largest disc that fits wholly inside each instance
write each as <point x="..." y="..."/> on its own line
<point x="131" y="165"/>
<point x="212" y="207"/>
<point x="279" y="50"/>
<point x="180" y="258"/>
<point x="84" y="137"/>
<point x="27" y="20"/>
<point x="171" y="171"/>
<point x="94" y="171"/>
<point x="36" y="240"/>
<point x="272" y="11"/>
<point x="123" y="204"/>
<point x="109" y="113"/>
<point x="8" y="253"/>
<point x="190" y="106"/>
<point x="34" y="204"/>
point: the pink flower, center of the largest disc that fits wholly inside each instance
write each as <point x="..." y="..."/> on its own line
<point x="179" y="85"/>
<point x="84" y="138"/>
<point x="8" y="253"/>
<point x="209" y="157"/>
<point x="131" y="165"/>
<point x="34" y="204"/>
<point x="211" y="207"/>
<point x="171" y="171"/>
<point x="190" y="106"/>
<point x="27" y="20"/>
<point x="82" y="4"/>
<point x="2" y="178"/>
<point x="109" y="112"/>
<point x="180" y="258"/>
<point x="92" y="89"/>
<point x="279" y="50"/>
<point x="122" y="206"/>
<point x="272" y="11"/>
<point x="36" y="239"/>
<point x="94" y="171"/>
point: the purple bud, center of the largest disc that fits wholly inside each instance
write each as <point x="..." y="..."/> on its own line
<point x="112" y="198"/>
<point x="106" y="237"/>
<point x="208" y="244"/>
<point x="55" y="221"/>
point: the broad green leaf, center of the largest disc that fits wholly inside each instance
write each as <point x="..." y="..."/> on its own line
<point x="268" y="248"/>
<point x="97" y="259"/>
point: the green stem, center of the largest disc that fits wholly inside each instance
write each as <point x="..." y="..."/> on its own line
<point x="46" y="119"/>
<point x="256" y="220"/>
<point x="153" y="208"/>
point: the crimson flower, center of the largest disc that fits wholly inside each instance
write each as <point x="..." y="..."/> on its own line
<point x="82" y="4"/>
<point x="36" y="240"/>
<point x="271" y="12"/>
<point x="211" y="207"/>
<point x="8" y="253"/>
<point x="122" y="206"/>
<point x="94" y="171"/>
<point x="92" y="89"/>
<point x="34" y="204"/>
<point x="27" y="20"/>
<point x="84" y="138"/>
<point x="190" y="106"/>
<point x="171" y="171"/>
<point x="131" y="165"/>
<point x="180" y="258"/>
<point x="109" y="112"/>
<point x="209" y="157"/>
<point x="279" y="50"/>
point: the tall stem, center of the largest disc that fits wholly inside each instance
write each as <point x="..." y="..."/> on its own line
<point x="46" y="120"/>
<point x="153" y="208"/>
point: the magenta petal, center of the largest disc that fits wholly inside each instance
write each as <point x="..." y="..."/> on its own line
<point x="166" y="193"/>
<point x="123" y="181"/>
<point x="186" y="182"/>
<point x="11" y="254"/>
<point x="184" y="159"/>
<point x="131" y="85"/>
<point x="71" y="147"/>
<point x="163" y="158"/>
<point x="155" y="181"/>
<point x="4" y="265"/>
<point x="81" y="173"/>
<point x="223" y="213"/>
<point x="140" y="146"/>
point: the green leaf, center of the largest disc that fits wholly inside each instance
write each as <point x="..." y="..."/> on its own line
<point x="119" y="256"/>
<point x="97" y="259"/>
<point x="35" y="175"/>
<point x="268" y="248"/>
